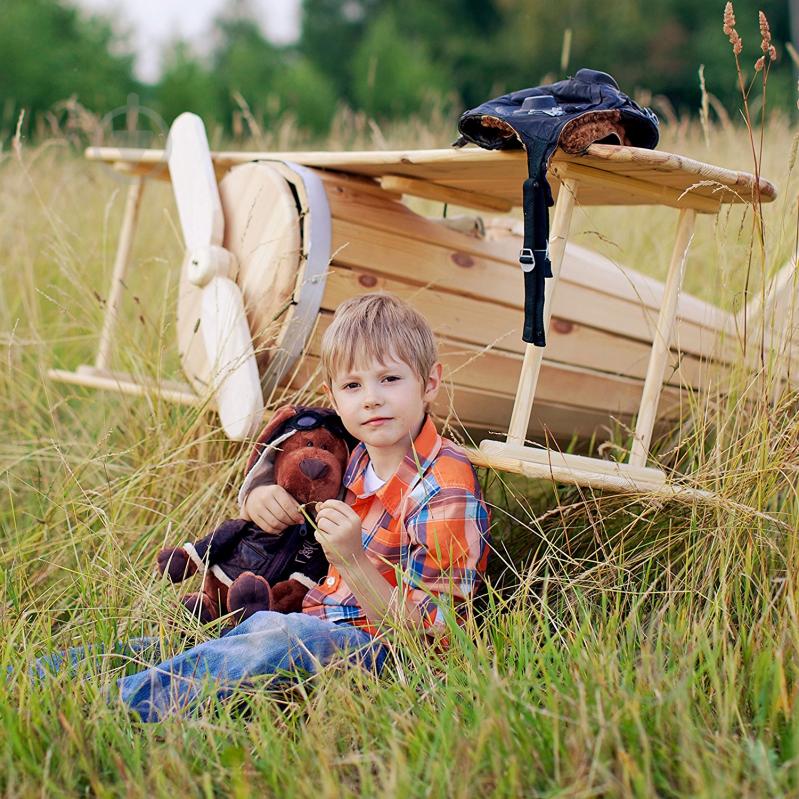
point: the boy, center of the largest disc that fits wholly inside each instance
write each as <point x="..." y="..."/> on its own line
<point x="411" y="544"/>
<point x="415" y="509"/>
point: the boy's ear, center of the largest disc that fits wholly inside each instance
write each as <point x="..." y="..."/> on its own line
<point x="329" y="395"/>
<point x="433" y="382"/>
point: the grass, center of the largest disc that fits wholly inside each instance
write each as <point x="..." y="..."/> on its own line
<point x="637" y="647"/>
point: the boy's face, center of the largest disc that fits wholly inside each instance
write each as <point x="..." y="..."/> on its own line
<point x="383" y="404"/>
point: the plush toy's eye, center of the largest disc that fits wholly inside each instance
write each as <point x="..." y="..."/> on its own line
<point x="309" y="443"/>
<point x="326" y="447"/>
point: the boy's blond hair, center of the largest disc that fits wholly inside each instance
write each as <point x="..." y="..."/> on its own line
<point x="373" y="326"/>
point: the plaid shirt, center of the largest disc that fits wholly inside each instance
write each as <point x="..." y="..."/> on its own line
<point x="427" y="525"/>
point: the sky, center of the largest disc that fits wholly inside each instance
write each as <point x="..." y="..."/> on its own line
<point x="154" y="23"/>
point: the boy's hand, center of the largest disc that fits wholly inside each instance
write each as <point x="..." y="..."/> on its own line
<point x="339" y="532"/>
<point x="272" y="508"/>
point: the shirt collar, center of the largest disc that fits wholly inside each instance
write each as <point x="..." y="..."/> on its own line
<point x="416" y="462"/>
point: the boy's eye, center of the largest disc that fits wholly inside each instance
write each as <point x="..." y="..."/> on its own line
<point x="350" y="385"/>
<point x="392" y="378"/>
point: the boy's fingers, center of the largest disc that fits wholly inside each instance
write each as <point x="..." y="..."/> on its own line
<point x="288" y="505"/>
<point x="336" y="506"/>
<point x="322" y="533"/>
<point x="274" y="524"/>
<point x="263" y="523"/>
<point x="332" y="514"/>
<point x="270" y="516"/>
<point x="288" y="511"/>
<point x="323" y="522"/>
<point x="285" y="509"/>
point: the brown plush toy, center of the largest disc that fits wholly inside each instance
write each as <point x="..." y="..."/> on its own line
<point x="305" y="450"/>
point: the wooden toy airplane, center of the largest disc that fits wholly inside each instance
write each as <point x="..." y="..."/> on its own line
<point x="283" y="238"/>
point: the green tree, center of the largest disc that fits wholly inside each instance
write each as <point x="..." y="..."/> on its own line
<point x="331" y="33"/>
<point x="654" y="46"/>
<point x="304" y="90"/>
<point x="50" y="51"/>
<point x="186" y="84"/>
<point x="273" y="81"/>
<point x="460" y="36"/>
<point x="392" y="73"/>
<point x="383" y="54"/>
<point x="453" y="38"/>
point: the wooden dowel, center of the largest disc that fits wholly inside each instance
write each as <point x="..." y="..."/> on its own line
<point x="531" y="366"/>
<point x="653" y="383"/>
<point x="590" y="479"/>
<point x="447" y="194"/>
<point x="656" y="193"/>
<point x="566" y="460"/>
<point x="123" y="383"/>
<point x="124" y="247"/>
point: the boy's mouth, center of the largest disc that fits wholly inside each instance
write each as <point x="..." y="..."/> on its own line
<point x="378" y="420"/>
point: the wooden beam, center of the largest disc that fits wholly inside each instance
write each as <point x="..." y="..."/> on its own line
<point x="446" y="194"/>
<point x="562" y="463"/>
<point x="124" y="383"/>
<point x="124" y="247"/>
<point x="657" y="194"/>
<point x="653" y="383"/>
<point x="525" y="393"/>
<point x="585" y="478"/>
<point x="500" y="173"/>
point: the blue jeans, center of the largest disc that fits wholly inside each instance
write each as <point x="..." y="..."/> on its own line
<point x="266" y="643"/>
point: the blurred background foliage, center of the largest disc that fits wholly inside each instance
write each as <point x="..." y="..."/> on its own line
<point x="384" y="58"/>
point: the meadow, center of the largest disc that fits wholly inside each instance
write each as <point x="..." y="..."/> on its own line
<point x="626" y="646"/>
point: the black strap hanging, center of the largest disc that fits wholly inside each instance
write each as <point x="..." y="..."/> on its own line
<point x="534" y="256"/>
<point x="533" y="119"/>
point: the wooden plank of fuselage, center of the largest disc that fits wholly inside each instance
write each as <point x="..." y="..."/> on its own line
<point x="496" y="372"/>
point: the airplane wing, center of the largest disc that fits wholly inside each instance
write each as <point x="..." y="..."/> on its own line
<point x="492" y="180"/>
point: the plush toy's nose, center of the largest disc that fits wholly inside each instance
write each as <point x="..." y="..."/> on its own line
<point x="313" y="468"/>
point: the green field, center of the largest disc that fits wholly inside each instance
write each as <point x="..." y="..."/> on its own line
<point x="628" y="646"/>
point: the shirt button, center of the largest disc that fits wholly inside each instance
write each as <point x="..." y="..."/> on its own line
<point x="331" y="581"/>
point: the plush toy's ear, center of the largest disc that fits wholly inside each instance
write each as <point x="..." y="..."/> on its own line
<point x="280" y="416"/>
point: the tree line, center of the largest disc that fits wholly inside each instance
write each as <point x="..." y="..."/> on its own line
<point x="386" y="58"/>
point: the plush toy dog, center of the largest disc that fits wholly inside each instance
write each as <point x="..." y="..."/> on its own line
<point x="304" y="450"/>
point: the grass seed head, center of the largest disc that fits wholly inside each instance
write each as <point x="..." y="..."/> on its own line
<point x="765" y="33"/>
<point x="729" y="29"/>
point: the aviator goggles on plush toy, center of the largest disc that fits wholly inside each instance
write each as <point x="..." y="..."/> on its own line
<point x="311" y="419"/>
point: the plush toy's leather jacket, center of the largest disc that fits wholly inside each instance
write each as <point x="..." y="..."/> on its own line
<point x="237" y="546"/>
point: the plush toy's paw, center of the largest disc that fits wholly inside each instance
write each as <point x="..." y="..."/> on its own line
<point x="201" y="607"/>
<point x="287" y="596"/>
<point x="248" y="594"/>
<point x="175" y="562"/>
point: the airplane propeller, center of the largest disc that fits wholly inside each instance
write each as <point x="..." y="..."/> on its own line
<point x="223" y="321"/>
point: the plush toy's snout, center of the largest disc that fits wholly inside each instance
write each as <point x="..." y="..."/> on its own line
<point x="310" y="465"/>
<point x="313" y="468"/>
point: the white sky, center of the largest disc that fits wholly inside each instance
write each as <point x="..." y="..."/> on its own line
<point x="154" y="23"/>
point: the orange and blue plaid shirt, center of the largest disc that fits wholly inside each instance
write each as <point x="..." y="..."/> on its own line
<point x="425" y="528"/>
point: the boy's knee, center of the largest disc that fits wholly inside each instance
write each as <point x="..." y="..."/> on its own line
<point x="259" y="622"/>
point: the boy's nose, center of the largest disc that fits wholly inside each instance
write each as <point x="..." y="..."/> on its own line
<point x="372" y="398"/>
<point x="313" y="468"/>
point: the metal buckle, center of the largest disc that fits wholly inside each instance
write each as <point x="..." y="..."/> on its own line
<point x="527" y="259"/>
